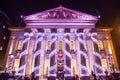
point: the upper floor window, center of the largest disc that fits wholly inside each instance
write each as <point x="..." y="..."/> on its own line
<point x="20" y="45"/>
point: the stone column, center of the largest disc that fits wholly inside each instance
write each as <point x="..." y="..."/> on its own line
<point x="90" y="51"/>
<point x="114" y="56"/>
<point x="42" y="58"/>
<point x="78" y="60"/>
<point x="23" y="54"/>
<point x="83" y="54"/>
<point x="9" y="59"/>
<point x="109" y="48"/>
<point x="28" y="69"/>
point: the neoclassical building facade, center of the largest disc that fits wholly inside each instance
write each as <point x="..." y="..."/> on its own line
<point x="60" y="39"/>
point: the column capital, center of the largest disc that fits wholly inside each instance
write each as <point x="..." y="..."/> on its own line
<point x="16" y="29"/>
<point x="107" y="37"/>
<point x="13" y="37"/>
<point x="86" y="30"/>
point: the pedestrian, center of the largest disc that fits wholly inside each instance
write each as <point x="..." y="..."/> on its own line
<point x="26" y="77"/>
<point x="33" y="76"/>
<point x="77" y="77"/>
<point x="94" y="75"/>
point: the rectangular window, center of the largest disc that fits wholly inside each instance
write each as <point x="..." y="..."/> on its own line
<point x="48" y="45"/>
<point x="100" y="45"/>
<point x="20" y="45"/>
<point x="60" y="45"/>
<point x="72" y="45"/>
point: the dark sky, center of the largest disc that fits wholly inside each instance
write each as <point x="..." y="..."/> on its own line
<point x="107" y="9"/>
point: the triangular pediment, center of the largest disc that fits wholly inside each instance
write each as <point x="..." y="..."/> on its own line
<point x="60" y="13"/>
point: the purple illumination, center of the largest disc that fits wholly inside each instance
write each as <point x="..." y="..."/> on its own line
<point x="21" y="16"/>
<point x="63" y="30"/>
<point x="69" y="69"/>
<point x="60" y="17"/>
<point x="21" y="68"/>
<point x="61" y="13"/>
<point x="68" y="54"/>
<point x="11" y="56"/>
<point x="53" y="52"/>
<point x="99" y="16"/>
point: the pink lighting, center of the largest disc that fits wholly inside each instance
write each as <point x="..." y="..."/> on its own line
<point x="64" y="13"/>
<point x="21" y="16"/>
<point x="59" y="40"/>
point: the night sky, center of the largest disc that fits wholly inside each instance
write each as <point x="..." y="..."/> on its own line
<point x="107" y="9"/>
